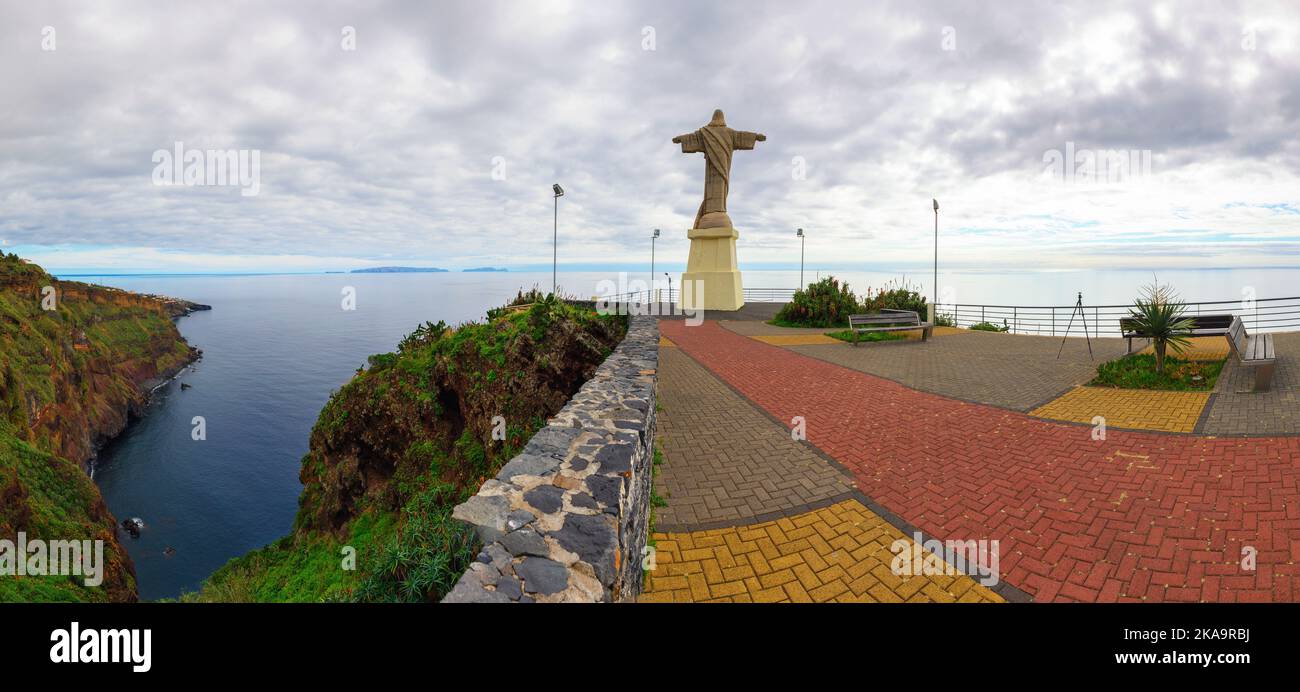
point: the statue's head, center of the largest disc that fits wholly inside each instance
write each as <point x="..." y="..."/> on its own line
<point x="719" y="120"/>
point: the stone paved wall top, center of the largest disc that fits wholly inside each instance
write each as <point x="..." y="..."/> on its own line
<point x="566" y="519"/>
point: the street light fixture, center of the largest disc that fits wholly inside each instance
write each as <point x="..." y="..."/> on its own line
<point x="670" y="288"/>
<point x="652" y="258"/>
<point x="799" y="232"/>
<point x="555" y="235"/>
<point x="935" y="298"/>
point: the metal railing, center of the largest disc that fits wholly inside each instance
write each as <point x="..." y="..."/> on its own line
<point x="1262" y="315"/>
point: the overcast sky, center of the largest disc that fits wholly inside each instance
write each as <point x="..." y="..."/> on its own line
<point x="437" y="139"/>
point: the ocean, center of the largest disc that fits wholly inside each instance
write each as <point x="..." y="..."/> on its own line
<point x="276" y="346"/>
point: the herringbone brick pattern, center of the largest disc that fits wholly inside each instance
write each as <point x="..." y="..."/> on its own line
<point x="724" y="460"/>
<point x="835" y="554"/>
<point x="1141" y="409"/>
<point x="1137" y="516"/>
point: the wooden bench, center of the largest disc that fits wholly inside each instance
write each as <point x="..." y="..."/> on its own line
<point x="1253" y="352"/>
<point x="888" y="320"/>
<point x="1202" y="325"/>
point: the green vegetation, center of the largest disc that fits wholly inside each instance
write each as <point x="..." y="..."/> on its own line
<point x="1140" y="371"/>
<point x="68" y="375"/>
<point x="51" y="498"/>
<point x="990" y="327"/>
<point x="896" y="295"/>
<point x="656" y="501"/>
<point x="828" y="303"/>
<point x="529" y="297"/>
<point x="866" y="337"/>
<point x="407" y="439"/>
<point x="1158" y="314"/>
<point x="825" y="303"/>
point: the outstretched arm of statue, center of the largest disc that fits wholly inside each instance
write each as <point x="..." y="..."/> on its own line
<point x="690" y="142"/>
<point x="745" y="140"/>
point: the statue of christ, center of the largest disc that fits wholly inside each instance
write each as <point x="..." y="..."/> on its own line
<point x="717" y="141"/>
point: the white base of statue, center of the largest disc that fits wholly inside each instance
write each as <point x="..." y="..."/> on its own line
<point x="712" y="263"/>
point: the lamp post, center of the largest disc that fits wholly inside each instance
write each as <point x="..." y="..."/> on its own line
<point x="652" y="259"/>
<point x="799" y="232"/>
<point x="555" y="235"/>
<point x="936" y="261"/>
<point x="670" y="288"/>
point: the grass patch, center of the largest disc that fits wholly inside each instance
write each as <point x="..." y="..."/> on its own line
<point x="1138" y="371"/>
<point x="866" y="337"/>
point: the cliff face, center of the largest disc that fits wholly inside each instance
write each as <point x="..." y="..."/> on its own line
<point x="406" y="440"/>
<point x="76" y="361"/>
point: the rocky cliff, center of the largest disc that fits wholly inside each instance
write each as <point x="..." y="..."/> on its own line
<point x="76" y="362"/>
<point x="409" y="437"/>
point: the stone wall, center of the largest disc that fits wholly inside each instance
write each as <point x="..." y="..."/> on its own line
<point x="566" y="519"/>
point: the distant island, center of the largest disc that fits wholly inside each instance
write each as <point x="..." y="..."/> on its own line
<point x="485" y="269"/>
<point x="397" y="270"/>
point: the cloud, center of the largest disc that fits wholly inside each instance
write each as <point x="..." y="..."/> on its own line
<point x="389" y="151"/>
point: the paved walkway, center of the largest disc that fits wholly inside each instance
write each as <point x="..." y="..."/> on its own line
<point x="726" y="462"/>
<point x="1235" y="409"/>
<point x="753" y="515"/>
<point x="837" y="554"/>
<point x="1018" y="372"/>
<point x="1137" y="409"/>
<point x="1023" y="373"/>
<point x="1134" y="517"/>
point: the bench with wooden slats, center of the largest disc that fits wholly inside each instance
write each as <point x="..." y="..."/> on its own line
<point x="1253" y="352"/>
<point x="888" y="320"/>
<point x="1202" y="325"/>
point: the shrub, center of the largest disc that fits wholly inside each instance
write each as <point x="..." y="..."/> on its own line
<point x="529" y="297"/>
<point x="382" y="361"/>
<point x="826" y="303"/>
<point x="990" y="327"/>
<point x="897" y="295"/>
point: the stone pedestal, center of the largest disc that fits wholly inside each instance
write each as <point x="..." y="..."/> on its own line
<point x="713" y="263"/>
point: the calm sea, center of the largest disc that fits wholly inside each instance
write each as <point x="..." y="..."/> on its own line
<point x="276" y="346"/>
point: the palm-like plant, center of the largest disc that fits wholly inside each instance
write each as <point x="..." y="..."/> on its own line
<point x="1160" y="315"/>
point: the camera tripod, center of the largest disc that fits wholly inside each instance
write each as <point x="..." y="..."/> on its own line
<point x="1078" y="310"/>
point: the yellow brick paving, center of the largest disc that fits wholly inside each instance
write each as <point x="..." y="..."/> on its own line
<point x="940" y="331"/>
<point x="836" y="554"/>
<point x="796" y="339"/>
<point x="1141" y="409"/>
<point x="818" y="339"/>
<point x="1201" y="348"/>
<point x="665" y="342"/>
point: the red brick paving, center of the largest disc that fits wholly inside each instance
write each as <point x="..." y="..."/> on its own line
<point x="1138" y="516"/>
